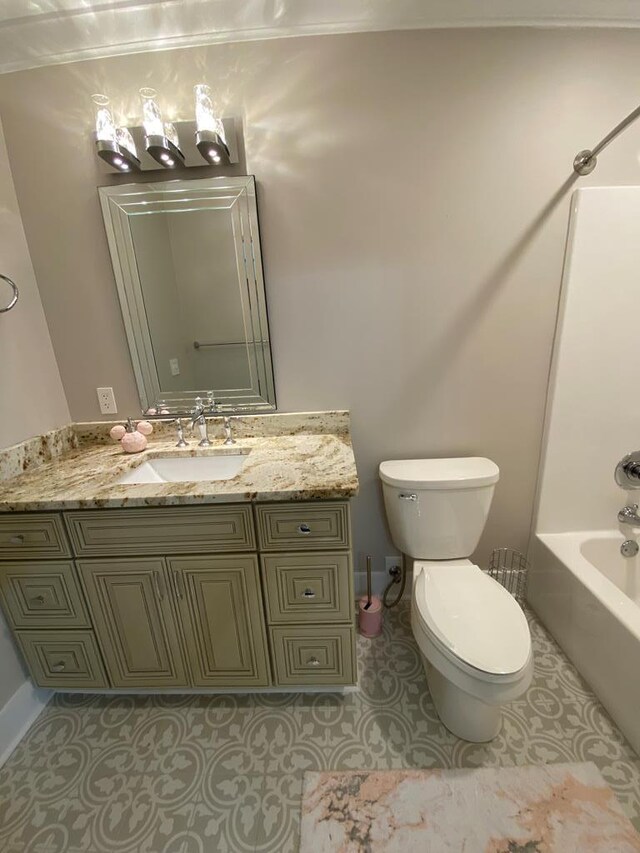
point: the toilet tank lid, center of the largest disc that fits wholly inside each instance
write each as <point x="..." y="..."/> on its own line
<point x="466" y="472"/>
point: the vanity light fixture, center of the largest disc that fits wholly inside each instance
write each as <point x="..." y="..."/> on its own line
<point x="160" y="137"/>
<point x="114" y="145"/>
<point x="210" y="137"/>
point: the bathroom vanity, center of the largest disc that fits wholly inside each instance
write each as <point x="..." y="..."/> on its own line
<point x="188" y="567"/>
<point x="243" y="583"/>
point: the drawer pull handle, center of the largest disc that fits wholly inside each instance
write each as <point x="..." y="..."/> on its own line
<point x="313" y="662"/>
<point x="17" y="540"/>
<point x="304" y="529"/>
<point x="158" y="587"/>
<point x="58" y="667"/>
<point x="38" y="599"/>
<point x="309" y="593"/>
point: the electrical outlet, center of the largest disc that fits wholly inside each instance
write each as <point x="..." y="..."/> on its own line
<point x="107" y="401"/>
<point x="174" y="366"/>
<point x="391" y="563"/>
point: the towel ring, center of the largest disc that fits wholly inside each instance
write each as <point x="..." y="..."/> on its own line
<point x="14" y="298"/>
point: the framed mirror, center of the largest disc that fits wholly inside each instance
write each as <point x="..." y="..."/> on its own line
<point x="188" y="268"/>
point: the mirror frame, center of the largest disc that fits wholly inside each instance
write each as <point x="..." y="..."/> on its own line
<point x="119" y="203"/>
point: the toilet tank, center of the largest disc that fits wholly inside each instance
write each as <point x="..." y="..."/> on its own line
<point x="437" y="508"/>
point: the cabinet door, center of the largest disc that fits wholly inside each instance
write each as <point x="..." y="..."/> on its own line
<point x="220" y="604"/>
<point x="134" y="622"/>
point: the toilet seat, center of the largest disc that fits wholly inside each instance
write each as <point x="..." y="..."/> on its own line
<point x="472" y="620"/>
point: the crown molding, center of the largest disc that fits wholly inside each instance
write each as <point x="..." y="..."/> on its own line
<point x="90" y="29"/>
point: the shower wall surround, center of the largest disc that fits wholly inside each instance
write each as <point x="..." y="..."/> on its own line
<point x="411" y="276"/>
<point x="594" y="418"/>
<point x="585" y="583"/>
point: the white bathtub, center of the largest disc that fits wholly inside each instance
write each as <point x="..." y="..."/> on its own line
<point x="588" y="596"/>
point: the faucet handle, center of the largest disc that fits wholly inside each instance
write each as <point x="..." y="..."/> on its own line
<point x="627" y="473"/>
<point x="181" y="441"/>
<point x="228" y="437"/>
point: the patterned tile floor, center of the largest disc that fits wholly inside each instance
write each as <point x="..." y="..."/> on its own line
<point x="223" y="774"/>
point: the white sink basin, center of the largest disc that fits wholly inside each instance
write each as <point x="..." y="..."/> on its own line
<point x="185" y="469"/>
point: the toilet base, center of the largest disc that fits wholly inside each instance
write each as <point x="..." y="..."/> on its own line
<point x="465" y="716"/>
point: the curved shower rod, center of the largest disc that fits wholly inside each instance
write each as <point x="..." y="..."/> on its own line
<point x="585" y="161"/>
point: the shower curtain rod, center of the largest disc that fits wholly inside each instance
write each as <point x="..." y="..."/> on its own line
<point x="585" y="161"/>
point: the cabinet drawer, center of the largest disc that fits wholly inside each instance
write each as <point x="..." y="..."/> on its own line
<point x="63" y="658"/>
<point x="25" y="535"/>
<point x="308" y="587"/>
<point x="294" y="526"/>
<point x="322" y="654"/>
<point x="42" y="595"/>
<point x="161" y="531"/>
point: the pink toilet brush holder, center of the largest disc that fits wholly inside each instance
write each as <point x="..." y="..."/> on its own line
<point x="369" y="611"/>
<point x="370" y="618"/>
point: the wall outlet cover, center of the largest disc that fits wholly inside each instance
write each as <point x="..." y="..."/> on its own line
<point x="174" y="366"/>
<point x="107" y="401"/>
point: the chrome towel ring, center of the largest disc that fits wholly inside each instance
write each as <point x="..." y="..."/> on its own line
<point x="14" y="296"/>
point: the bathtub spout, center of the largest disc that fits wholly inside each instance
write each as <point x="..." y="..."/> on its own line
<point x="629" y="515"/>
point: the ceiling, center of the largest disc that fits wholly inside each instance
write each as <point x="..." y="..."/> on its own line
<point x="46" y="32"/>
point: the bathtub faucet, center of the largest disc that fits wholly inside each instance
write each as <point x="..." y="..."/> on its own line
<point x="629" y="515"/>
<point x="627" y="473"/>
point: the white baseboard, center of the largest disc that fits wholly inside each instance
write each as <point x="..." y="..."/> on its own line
<point x="18" y="715"/>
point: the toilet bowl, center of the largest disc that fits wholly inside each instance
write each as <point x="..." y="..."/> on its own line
<point x="475" y="645"/>
<point x="473" y="636"/>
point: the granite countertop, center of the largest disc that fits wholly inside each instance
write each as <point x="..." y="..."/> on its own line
<point x="302" y="466"/>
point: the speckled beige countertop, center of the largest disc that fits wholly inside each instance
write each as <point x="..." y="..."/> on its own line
<point x="81" y="473"/>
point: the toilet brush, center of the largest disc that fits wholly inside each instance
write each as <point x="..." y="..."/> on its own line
<point x="369" y="610"/>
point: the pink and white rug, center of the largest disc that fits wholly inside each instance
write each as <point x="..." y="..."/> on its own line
<point x="560" y="808"/>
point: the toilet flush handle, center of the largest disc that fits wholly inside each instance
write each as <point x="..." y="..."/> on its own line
<point x="407" y="497"/>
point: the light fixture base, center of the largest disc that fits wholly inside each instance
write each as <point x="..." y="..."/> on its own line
<point x="212" y="148"/>
<point x="187" y="134"/>
<point x="116" y="156"/>
<point x="164" y="151"/>
<point x="585" y="162"/>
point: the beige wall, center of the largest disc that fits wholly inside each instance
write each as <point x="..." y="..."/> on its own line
<point x="413" y="205"/>
<point x="31" y="397"/>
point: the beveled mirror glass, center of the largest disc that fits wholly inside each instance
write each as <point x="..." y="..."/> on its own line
<point x="187" y="262"/>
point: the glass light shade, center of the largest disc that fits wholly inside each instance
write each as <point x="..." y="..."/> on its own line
<point x="171" y="133"/>
<point x="206" y="118"/>
<point x="151" y="116"/>
<point x="105" y="126"/>
<point x="125" y="140"/>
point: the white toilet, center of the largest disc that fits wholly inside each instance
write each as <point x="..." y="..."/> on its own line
<point x="473" y="636"/>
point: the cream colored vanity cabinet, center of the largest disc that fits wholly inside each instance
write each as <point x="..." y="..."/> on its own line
<point x="228" y="596"/>
<point x="44" y="603"/>
<point x="178" y="619"/>
<point x="308" y="583"/>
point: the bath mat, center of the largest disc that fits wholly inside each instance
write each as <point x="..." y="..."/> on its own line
<point x="557" y="808"/>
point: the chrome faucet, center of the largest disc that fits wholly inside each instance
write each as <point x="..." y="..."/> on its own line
<point x="181" y="441"/>
<point x="228" y="437"/>
<point x="629" y="515"/>
<point x="198" y="418"/>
